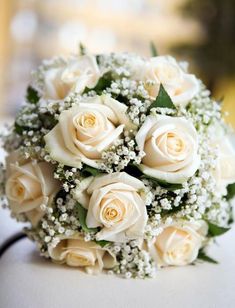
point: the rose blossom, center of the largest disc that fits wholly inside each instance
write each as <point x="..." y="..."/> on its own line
<point x="29" y="185"/>
<point x="85" y="130"/>
<point x="170" y="145"/>
<point x="181" y="86"/>
<point x="114" y="203"/>
<point x="76" y="75"/>
<point x="74" y="251"/>
<point x="179" y="243"/>
<point x="224" y="172"/>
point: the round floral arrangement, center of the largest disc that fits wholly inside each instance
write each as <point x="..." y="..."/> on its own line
<point x="120" y="163"/>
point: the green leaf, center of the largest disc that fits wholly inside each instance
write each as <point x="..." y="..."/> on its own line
<point x="230" y="191"/>
<point x="169" y="186"/>
<point x="48" y="120"/>
<point x="32" y="95"/>
<point x="82" y="49"/>
<point x="202" y="256"/>
<point x="231" y="218"/>
<point x="103" y="83"/>
<point x="88" y="171"/>
<point x="215" y="230"/>
<point x="18" y="129"/>
<point x="133" y="170"/>
<point x="153" y="50"/>
<point x="163" y="184"/>
<point x="163" y="100"/>
<point x="81" y="212"/>
<point x="98" y="57"/>
<point x="103" y="243"/>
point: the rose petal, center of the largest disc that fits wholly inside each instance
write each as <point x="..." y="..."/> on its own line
<point x="120" y="110"/>
<point x="56" y="147"/>
<point x="116" y="177"/>
<point x="171" y="177"/>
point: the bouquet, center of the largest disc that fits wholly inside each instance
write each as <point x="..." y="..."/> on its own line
<point x="119" y="163"/>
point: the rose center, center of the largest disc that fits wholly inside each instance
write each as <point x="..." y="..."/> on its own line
<point x="175" y="145"/>
<point x="178" y="91"/>
<point x="87" y="120"/>
<point x="112" y="211"/>
<point x="180" y="252"/>
<point x="166" y="73"/>
<point x="18" y="191"/>
<point x="72" y="76"/>
<point x="78" y="260"/>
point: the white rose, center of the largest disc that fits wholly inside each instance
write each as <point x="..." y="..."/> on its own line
<point x="74" y="251"/>
<point x="29" y="185"/>
<point x="114" y="203"/>
<point x="170" y="145"/>
<point x="180" y="86"/>
<point x="78" y="74"/>
<point x="224" y="172"/>
<point x="179" y="243"/>
<point x="85" y="130"/>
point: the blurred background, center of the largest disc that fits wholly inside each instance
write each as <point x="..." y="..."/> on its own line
<point x="201" y="31"/>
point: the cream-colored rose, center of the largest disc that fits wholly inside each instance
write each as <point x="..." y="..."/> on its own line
<point x="170" y="145"/>
<point x="29" y="185"/>
<point x="114" y="203"/>
<point x="85" y="130"/>
<point x="224" y="172"/>
<point x="181" y="86"/>
<point x="76" y="75"/>
<point x="74" y="251"/>
<point x="179" y="243"/>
